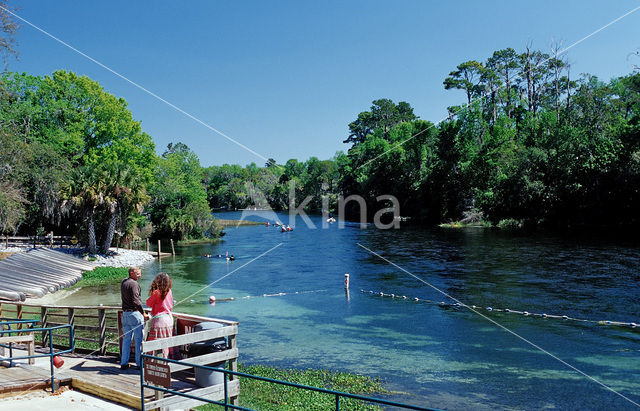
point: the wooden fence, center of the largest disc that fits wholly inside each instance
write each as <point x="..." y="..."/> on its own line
<point x="48" y="240"/>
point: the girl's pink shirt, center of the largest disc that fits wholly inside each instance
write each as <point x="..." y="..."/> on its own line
<point x="160" y="306"/>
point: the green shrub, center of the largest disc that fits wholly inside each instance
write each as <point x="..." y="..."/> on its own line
<point x="261" y="395"/>
<point x="510" y="224"/>
<point x="102" y="276"/>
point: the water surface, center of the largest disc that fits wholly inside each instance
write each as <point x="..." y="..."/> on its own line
<point x="436" y="357"/>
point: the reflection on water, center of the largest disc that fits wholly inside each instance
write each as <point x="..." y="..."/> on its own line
<point x="293" y="310"/>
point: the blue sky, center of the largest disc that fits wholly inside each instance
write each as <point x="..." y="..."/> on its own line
<point x="285" y="79"/>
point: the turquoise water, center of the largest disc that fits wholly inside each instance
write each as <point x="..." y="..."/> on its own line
<point x="437" y="357"/>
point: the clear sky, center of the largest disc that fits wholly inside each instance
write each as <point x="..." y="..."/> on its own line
<point x="285" y="78"/>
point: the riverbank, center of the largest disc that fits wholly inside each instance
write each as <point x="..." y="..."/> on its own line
<point x="117" y="257"/>
<point x="120" y="257"/>
<point x="261" y="395"/>
<point x="236" y="223"/>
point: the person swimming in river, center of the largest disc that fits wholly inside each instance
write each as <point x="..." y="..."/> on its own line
<point x="212" y="256"/>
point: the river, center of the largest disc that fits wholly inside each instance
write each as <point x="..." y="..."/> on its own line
<point x="294" y="312"/>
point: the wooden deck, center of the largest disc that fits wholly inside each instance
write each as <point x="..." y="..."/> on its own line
<point x="97" y="375"/>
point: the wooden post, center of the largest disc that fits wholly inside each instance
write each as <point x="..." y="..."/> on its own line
<point x="147" y="245"/>
<point x="51" y="239"/>
<point x="31" y="349"/>
<point x="19" y="317"/>
<point x="44" y="321"/>
<point x="173" y="251"/>
<point x="102" y="323"/>
<point x="233" y="366"/>
<point x="35" y="238"/>
<point x="71" y="319"/>
<point x="158" y="248"/>
<point x="6" y="241"/>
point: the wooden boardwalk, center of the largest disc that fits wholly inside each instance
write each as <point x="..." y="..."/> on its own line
<point x="100" y="374"/>
<point x="97" y="375"/>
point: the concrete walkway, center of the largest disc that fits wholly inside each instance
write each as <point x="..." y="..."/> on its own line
<point x="64" y="399"/>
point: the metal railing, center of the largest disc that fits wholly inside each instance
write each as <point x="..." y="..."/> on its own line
<point x="227" y="405"/>
<point x="32" y="329"/>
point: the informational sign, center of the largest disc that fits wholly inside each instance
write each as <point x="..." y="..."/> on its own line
<point x="157" y="373"/>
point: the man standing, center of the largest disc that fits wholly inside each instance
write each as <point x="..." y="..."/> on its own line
<point x="133" y="317"/>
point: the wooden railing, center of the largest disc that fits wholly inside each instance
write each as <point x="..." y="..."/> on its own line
<point x="97" y="329"/>
<point x="95" y="325"/>
<point x="230" y="388"/>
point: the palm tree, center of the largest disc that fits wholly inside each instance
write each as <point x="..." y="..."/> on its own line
<point x="125" y="193"/>
<point x="86" y="193"/>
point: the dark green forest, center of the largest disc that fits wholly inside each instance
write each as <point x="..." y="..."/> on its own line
<point x="529" y="146"/>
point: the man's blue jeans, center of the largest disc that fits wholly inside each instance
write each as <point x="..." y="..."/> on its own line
<point x="132" y="325"/>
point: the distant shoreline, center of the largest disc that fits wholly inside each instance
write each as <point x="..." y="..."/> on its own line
<point x="227" y="223"/>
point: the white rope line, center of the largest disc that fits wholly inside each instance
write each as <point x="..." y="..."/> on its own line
<point x="464" y="106"/>
<point x="524" y="313"/>
<point x="136" y="85"/>
<point x="500" y="325"/>
<point x="280" y="294"/>
<point x="228" y="274"/>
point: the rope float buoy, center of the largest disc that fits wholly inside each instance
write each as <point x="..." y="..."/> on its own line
<point x="213" y="299"/>
<point x="457" y="305"/>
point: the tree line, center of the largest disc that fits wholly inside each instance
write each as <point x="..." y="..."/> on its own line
<point x="528" y="146"/>
<point x="74" y="160"/>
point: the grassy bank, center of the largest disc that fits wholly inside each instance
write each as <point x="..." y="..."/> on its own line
<point x="235" y="223"/>
<point x="460" y="224"/>
<point x="199" y="241"/>
<point x="102" y="276"/>
<point x="4" y="255"/>
<point x="261" y="395"/>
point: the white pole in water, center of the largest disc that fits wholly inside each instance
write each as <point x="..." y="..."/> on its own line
<point x="346" y="281"/>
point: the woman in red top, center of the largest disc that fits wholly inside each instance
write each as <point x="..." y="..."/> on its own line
<point x="161" y="302"/>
